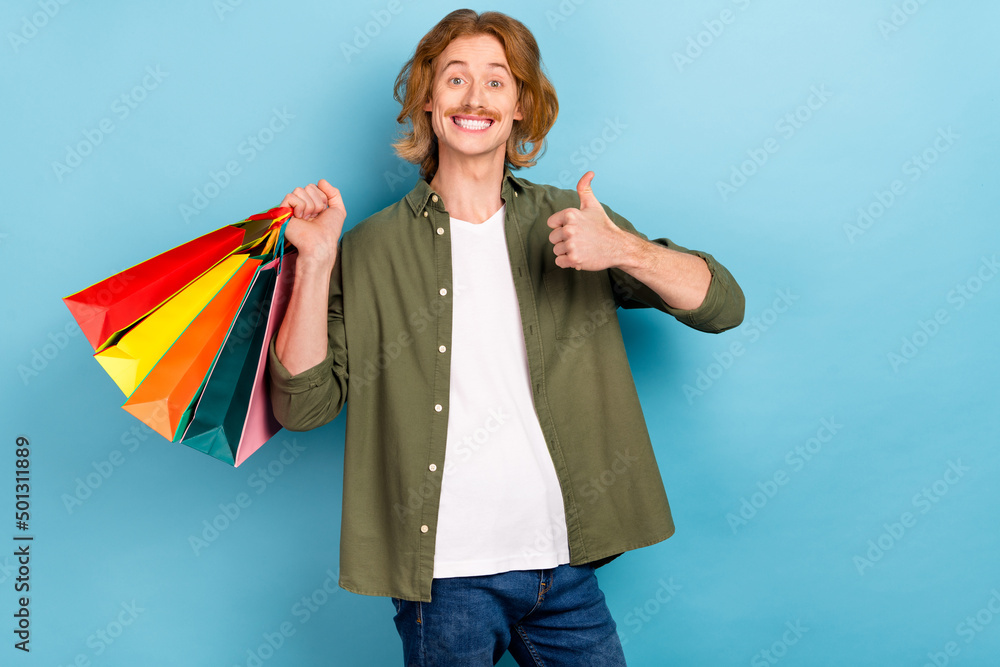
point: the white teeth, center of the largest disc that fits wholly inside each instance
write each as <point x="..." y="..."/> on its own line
<point x="473" y="124"/>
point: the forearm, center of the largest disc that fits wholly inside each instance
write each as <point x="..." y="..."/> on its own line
<point x="302" y="338"/>
<point x="312" y="388"/>
<point x="682" y="280"/>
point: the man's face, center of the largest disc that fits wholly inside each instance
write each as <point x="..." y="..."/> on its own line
<point x="473" y="101"/>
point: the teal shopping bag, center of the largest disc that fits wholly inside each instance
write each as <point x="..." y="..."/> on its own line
<point x="218" y="423"/>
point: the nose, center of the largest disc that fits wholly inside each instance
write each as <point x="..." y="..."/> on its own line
<point x="473" y="96"/>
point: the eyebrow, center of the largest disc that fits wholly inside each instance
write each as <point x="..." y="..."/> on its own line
<point x="462" y="62"/>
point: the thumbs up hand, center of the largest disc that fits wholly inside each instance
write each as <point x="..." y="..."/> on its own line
<point x="585" y="238"/>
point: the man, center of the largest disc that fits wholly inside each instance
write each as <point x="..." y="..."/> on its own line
<point x="472" y="325"/>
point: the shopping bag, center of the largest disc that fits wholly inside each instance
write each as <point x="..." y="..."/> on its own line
<point x="260" y="424"/>
<point x="170" y="389"/>
<point x="233" y="417"/>
<point x="202" y="311"/>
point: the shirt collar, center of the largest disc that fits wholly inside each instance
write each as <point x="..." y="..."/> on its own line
<point x="422" y="191"/>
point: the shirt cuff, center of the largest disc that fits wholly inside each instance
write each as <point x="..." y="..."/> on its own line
<point x="721" y="309"/>
<point x="714" y="302"/>
<point x="287" y="383"/>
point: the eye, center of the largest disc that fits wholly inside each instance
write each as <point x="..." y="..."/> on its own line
<point x="454" y="78"/>
<point x="496" y="82"/>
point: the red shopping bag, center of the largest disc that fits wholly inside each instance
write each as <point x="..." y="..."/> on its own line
<point x="108" y="307"/>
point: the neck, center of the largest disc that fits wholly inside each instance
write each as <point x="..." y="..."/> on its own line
<point x="470" y="187"/>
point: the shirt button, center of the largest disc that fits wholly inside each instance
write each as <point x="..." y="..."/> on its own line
<point x="424" y="528"/>
<point x="432" y="467"/>
<point x="438" y="408"/>
<point x="515" y="194"/>
<point x="441" y="348"/>
<point x="425" y="214"/>
<point x="443" y="291"/>
<point x="440" y="230"/>
<point x="434" y="198"/>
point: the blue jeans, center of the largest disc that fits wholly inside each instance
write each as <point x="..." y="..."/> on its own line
<point x="554" y="617"/>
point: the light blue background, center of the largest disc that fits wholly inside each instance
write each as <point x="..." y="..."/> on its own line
<point x="684" y="127"/>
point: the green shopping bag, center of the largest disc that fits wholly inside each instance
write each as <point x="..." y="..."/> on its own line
<point x="218" y="423"/>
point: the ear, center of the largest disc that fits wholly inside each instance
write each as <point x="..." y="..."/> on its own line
<point x="517" y="112"/>
<point x="428" y="105"/>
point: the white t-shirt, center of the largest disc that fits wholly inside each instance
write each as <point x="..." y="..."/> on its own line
<point x="501" y="507"/>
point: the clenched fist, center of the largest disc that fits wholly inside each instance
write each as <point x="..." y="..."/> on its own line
<point x="318" y="216"/>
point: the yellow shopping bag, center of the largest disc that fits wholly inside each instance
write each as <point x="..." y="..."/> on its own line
<point x="140" y="348"/>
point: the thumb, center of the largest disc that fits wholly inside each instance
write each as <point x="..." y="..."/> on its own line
<point x="331" y="193"/>
<point x="587" y="197"/>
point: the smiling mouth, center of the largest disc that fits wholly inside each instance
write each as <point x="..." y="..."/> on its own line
<point x="471" y="123"/>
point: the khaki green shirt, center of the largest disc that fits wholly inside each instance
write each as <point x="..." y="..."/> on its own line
<point x="389" y="361"/>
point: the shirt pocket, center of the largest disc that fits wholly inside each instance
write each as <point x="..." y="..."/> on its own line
<point x="580" y="301"/>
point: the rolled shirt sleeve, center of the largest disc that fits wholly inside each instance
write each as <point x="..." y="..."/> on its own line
<point x="721" y="310"/>
<point x="315" y="396"/>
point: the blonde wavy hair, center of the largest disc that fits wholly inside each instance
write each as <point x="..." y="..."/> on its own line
<point x="536" y="94"/>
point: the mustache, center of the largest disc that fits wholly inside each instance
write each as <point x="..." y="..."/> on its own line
<point x="479" y="113"/>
